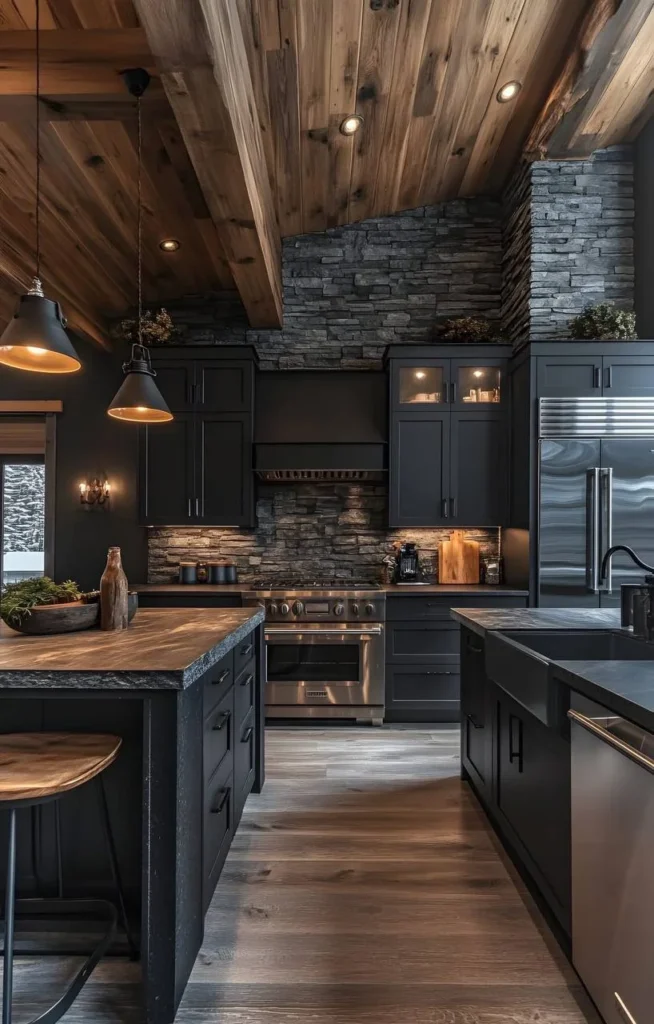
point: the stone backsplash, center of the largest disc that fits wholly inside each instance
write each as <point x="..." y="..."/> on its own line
<point x="311" y="530"/>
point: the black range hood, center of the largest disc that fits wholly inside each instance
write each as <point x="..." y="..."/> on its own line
<point x="320" y="425"/>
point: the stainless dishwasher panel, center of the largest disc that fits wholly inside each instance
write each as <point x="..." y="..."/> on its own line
<point x="613" y="862"/>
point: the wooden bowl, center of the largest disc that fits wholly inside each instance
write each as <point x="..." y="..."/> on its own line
<point x="59" y="618"/>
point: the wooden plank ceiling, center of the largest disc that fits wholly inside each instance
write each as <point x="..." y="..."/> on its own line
<point x="241" y="126"/>
<point x="424" y="74"/>
<point x="88" y="139"/>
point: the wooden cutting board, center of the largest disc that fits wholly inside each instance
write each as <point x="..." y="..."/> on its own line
<point x="458" y="559"/>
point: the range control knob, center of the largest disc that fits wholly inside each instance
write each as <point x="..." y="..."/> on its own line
<point x="338" y="608"/>
<point x="298" y="608"/>
<point x="272" y="608"/>
<point x="355" y="608"/>
<point x="370" y="608"/>
<point x="284" y="608"/>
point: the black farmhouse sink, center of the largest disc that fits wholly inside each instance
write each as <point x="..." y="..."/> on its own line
<point x="518" y="661"/>
<point x="583" y="645"/>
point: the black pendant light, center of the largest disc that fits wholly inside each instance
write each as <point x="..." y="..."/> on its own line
<point x="138" y="399"/>
<point x="35" y="337"/>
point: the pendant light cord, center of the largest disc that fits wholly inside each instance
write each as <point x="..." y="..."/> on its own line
<point x="139" y="245"/>
<point x="38" y="140"/>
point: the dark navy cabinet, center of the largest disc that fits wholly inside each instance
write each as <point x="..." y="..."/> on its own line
<point x="423" y="662"/>
<point x="520" y="769"/>
<point x="197" y="470"/>
<point x="447" y="459"/>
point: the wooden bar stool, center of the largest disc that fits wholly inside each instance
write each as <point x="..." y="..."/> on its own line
<point x="37" y="768"/>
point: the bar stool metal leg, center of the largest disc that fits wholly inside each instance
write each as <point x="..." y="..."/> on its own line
<point x="10" y="902"/>
<point x="115" y="870"/>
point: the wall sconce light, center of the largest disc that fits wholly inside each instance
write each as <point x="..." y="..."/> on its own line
<point x="95" y="493"/>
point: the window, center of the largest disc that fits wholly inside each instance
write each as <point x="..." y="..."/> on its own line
<point x="22" y="519"/>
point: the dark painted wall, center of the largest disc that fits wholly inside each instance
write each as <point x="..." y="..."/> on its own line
<point x="644" y="236"/>
<point x="89" y="443"/>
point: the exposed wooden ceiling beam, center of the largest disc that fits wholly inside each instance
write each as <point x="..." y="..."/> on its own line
<point x="73" y="61"/>
<point x="604" y="85"/>
<point x="203" y="64"/>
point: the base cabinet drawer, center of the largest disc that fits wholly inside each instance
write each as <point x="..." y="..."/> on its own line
<point x="218" y="681"/>
<point x="422" y="693"/>
<point x="419" y="643"/>
<point x="219" y="735"/>
<point x="219" y="824"/>
<point x="244" y="762"/>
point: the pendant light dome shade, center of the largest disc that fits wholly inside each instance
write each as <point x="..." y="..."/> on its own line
<point x="138" y="399"/>
<point x="35" y="339"/>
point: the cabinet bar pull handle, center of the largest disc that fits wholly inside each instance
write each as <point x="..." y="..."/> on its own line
<point x="453" y="392"/>
<point x="222" y="677"/>
<point x="474" y="723"/>
<point x="224" y="796"/>
<point x="446" y="392"/>
<point x="222" y="721"/>
<point x="189" y="508"/>
<point x="197" y="508"/>
<point x="247" y="681"/>
<point x="247" y="735"/>
<point x="624" y="1012"/>
<point x="473" y="648"/>
<point x="597" y="380"/>
<point x="609" y="377"/>
<point x="247" y="650"/>
<point x="515" y="754"/>
<point x="446" y="513"/>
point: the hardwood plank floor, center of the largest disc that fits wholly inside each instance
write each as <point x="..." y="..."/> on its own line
<point x="364" y="887"/>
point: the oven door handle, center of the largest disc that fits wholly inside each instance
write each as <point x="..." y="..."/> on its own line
<point x="295" y="630"/>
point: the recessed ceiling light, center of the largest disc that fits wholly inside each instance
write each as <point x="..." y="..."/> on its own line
<point x="351" y="124"/>
<point x="508" y="92"/>
<point x="420" y="374"/>
<point x="169" y="244"/>
<point x="477" y="373"/>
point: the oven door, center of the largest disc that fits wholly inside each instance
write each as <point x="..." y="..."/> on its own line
<point x="324" y="664"/>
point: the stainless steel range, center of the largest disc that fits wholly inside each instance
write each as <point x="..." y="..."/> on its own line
<point x="324" y="648"/>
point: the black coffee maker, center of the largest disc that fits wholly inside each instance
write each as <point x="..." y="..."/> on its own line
<point x="407" y="565"/>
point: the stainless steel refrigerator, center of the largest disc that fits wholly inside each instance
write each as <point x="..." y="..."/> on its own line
<point x="596" y="489"/>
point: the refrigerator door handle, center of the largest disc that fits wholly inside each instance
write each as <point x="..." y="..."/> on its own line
<point x="607" y="501"/>
<point x="592" y="529"/>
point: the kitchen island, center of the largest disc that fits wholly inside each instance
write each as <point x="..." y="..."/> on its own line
<point x="557" y="741"/>
<point x="183" y="689"/>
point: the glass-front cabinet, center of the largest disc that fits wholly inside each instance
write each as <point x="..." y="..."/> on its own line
<point x="459" y="382"/>
<point x="481" y="385"/>
<point x="422" y="385"/>
<point x="448" y="438"/>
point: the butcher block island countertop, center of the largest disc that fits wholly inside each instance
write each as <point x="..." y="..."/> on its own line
<point x="165" y="648"/>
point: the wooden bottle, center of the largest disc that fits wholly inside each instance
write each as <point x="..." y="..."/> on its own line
<point x="113" y="593"/>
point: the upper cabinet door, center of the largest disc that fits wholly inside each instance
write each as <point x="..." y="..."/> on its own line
<point x="569" y="376"/>
<point x="478" y="474"/>
<point x="477" y="384"/>
<point x="224" y="479"/>
<point x="175" y="379"/>
<point x="421" y="385"/>
<point x="167" y="487"/>
<point x="222" y="386"/>
<point x="419" y="470"/>
<point x="628" y="376"/>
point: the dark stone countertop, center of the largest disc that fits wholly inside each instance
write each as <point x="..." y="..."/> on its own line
<point x="165" y="649"/>
<point x="624" y="687"/>
<point x="395" y="589"/>
<point x="462" y="589"/>
<point x="483" y="620"/>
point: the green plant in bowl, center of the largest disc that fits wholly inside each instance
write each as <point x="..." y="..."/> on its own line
<point x="18" y="599"/>
<point x="603" y="321"/>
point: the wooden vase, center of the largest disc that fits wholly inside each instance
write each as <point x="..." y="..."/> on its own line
<point x="113" y="593"/>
